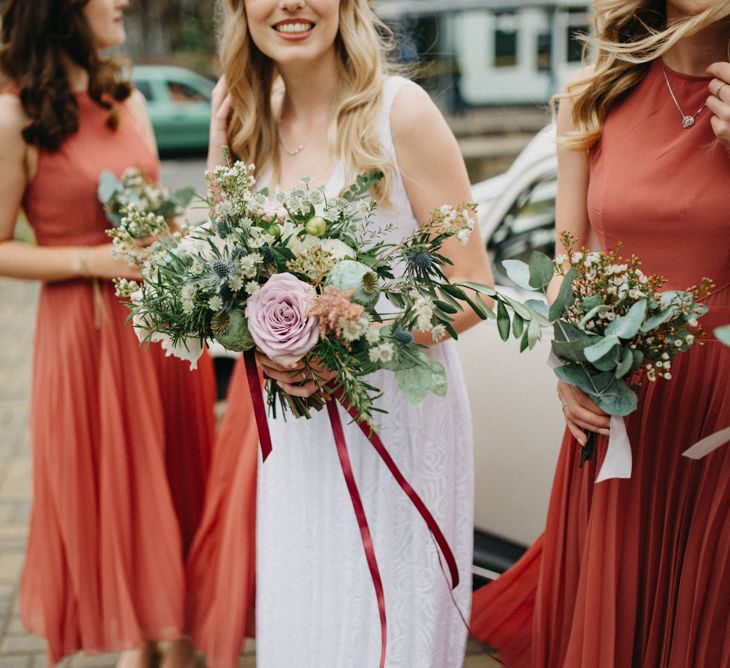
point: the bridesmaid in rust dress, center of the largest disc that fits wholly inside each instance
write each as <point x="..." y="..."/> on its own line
<point x="120" y="435"/>
<point x="635" y="572"/>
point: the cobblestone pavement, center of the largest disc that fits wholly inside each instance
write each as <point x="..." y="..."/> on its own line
<point x="18" y="649"/>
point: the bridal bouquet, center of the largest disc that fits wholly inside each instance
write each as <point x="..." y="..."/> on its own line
<point x="613" y="326"/>
<point x="136" y="190"/>
<point x="304" y="277"/>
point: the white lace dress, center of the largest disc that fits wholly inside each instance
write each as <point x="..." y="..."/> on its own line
<point x="315" y="602"/>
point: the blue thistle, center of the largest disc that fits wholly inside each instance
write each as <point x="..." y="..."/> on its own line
<point x="421" y="260"/>
<point x="402" y="337"/>
<point x="222" y="268"/>
<point x="223" y="228"/>
<point x="267" y="254"/>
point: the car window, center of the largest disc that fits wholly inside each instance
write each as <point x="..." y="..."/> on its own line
<point x="145" y="88"/>
<point x="528" y="225"/>
<point x="182" y="93"/>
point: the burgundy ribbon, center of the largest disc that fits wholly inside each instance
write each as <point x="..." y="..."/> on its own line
<point x="346" y="465"/>
<point x="259" y="409"/>
<point x="362" y="520"/>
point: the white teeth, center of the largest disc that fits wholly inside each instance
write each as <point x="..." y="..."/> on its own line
<point x="294" y="27"/>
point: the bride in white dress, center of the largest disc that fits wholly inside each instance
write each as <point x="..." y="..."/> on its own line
<point x="309" y="94"/>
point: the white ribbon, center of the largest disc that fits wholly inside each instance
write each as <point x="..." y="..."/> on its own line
<point x="708" y="444"/>
<point x="618" y="462"/>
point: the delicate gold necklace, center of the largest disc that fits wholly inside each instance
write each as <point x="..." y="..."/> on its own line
<point x="687" y="120"/>
<point x="298" y="149"/>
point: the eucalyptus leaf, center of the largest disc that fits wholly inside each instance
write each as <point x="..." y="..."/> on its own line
<point x="566" y="331"/>
<point x="658" y="319"/>
<point x="593" y="313"/>
<point x="168" y="209"/>
<point x="183" y="197"/>
<point x="541" y="270"/>
<point x="618" y="399"/>
<point x="503" y="322"/>
<point x="572" y="350"/>
<point x="518" y="272"/>
<point x="638" y="356"/>
<point x="565" y="296"/>
<point x="540" y="307"/>
<point x="628" y="326"/>
<point x="109" y="185"/>
<point x="593" y="384"/>
<point x="518" y="307"/>
<point x="415" y="382"/>
<point x="591" y="302"/>
<point x="608" y="362"/>
<point x="624" y="366"/>
<point x="439" y="381"/>
<point x="601" y="348"/>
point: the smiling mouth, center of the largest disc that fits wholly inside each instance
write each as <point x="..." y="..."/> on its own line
<point x="294" y="27"/>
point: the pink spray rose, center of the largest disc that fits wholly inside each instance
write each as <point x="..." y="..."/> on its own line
<point x="277" y="319"/>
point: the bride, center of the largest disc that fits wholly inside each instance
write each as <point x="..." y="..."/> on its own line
<point x="309" y="94"/>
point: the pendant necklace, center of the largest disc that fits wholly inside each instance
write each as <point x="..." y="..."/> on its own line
<point x="687" y="120"/>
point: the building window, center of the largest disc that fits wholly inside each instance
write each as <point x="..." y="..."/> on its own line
<point x="575" y="45"/>
<point x="544" y="51"/>
<point x="505" y="40"/>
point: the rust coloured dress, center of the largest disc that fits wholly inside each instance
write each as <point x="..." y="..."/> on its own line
<point x="634" y="573"/>
<point x="120" y="435"/>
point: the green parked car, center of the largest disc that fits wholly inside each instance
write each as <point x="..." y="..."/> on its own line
<point x="179" y="106"/>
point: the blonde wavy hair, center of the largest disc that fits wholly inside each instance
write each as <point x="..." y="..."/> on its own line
<point x="628" y="35"/>
<point x="363" y="44"/>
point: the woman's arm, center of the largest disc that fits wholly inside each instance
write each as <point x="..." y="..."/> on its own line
<point x="434" y="174"/>
<point x="25" y="261"/>
<point x="572" y="216"/>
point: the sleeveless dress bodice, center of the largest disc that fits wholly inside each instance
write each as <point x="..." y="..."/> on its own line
<point x="61" y="201"/>
<point x="662" y="191"/>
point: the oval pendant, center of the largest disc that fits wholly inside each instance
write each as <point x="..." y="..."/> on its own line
<point x="688" y="122"/>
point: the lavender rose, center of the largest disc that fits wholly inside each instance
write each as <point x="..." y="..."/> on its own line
<point x="277" y="319"/>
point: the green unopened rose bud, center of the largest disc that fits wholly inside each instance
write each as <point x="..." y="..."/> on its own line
<point x="231" y="331"/>
<point x="316" y="226"/>
<point x="352" y="275"/>
<point x="274" y="230"/>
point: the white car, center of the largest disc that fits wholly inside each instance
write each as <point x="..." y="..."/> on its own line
<point x="518" y="423"/>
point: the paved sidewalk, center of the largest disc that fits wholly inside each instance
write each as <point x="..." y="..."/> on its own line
<point x="19" y="649"/>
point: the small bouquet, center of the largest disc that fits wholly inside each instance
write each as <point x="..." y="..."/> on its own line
<point x="136" y="190"/>
<point x="613" y="326"/>
<point x="303" y="278"/>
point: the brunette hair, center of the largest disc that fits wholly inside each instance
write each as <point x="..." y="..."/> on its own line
<point x="38" y="36"/>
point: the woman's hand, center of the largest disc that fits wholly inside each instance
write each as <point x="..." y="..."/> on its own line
<point x="581" y="413"/>
<point x="98" y="262"/>
<point x="221" y="108"/>
<point x="297" y="380"/>
<point x="719" y="101"/>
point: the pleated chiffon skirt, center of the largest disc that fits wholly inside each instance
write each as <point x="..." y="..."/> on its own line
<point x="121" y="442"/>
<point x="632" y="572"/>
